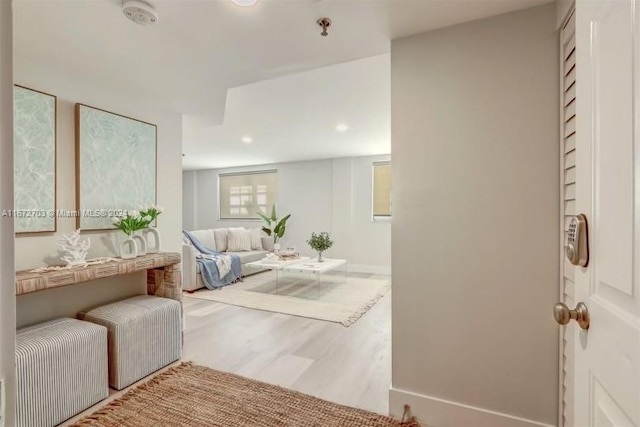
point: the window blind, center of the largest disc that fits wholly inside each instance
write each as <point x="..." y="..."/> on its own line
<point x="242" y="195"/>
<point x="382" y="189"/>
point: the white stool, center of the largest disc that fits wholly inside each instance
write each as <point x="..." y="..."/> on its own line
<point x="145" y="334"/>
<point x="61" y="370"/>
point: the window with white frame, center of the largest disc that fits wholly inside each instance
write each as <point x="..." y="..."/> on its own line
<point x="381" y="190"/>
<point x="242" y="195"/>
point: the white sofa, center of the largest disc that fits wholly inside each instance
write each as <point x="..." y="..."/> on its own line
<point x="216" y="239"/>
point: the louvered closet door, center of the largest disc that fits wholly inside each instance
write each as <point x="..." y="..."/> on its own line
<point x="568" y="184"/>
<point x="606" y="357"/>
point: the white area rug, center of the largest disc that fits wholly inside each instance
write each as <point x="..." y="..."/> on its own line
<point x="333" y="298"/>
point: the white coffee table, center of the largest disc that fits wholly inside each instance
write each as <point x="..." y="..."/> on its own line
<point x="275" y="264"/>
<point x="301" y="265"/>
<point x="315" y="266"/>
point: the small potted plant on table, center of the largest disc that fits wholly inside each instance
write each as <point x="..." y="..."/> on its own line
<point x="320" y="242"/>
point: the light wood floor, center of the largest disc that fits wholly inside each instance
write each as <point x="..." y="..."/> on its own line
<point x="351" y="366"/>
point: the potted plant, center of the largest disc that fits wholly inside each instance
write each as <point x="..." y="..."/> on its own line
<point x="129" y="223"/>
<point x="274" y="227"/>
<point x="148" y="215"/>
<point x="320" y="242"/>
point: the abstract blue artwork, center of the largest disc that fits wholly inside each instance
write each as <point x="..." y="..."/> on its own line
<point x="115" y="165"/>
<point x="34" y="159"/>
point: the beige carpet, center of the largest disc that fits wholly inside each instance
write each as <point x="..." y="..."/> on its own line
<point x="195" y="396"/>
<point x="333" y="298"/>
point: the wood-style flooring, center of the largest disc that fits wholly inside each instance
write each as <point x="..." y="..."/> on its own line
<point x="351" y="366"/>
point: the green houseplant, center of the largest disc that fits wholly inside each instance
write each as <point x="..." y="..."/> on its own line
<point x="135" y="224"/>
<point x="149" y="213"/>
<point x="151" y="234"/>
<point x="130" y="222"/>
<point x="274" y="227"/>
<point x="320" y="242"/>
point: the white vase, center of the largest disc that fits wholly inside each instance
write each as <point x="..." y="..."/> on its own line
<point x="276" y="246"/>
<point x="141" y="244"/>
<point x="152" y="237"/>
<point x="128" y="248"/>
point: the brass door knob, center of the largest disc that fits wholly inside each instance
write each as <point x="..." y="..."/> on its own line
<point x="563" y="314"/>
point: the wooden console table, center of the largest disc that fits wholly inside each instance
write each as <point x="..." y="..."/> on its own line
<point x="163" y="275"/>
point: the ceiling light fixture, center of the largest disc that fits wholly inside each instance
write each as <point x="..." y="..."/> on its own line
<point x="324" y="23"/>
<point x="342" y="127"/>
<point x="139" y="12"/>
<point x="247" y="140"/>
<point x="245" y="3"/>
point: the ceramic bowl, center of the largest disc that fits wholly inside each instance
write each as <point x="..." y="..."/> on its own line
<point x="287" y="252"/>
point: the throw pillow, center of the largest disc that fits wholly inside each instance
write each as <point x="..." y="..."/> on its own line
<point x="256" y="239"/>
<point x="220" y="235"/>
<point x="239" y="240"/>
<point x="206" y="238"/>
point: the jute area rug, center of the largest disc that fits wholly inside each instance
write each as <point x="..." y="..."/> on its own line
<point x="194" y="396"/>
<point x="333" y="298"/>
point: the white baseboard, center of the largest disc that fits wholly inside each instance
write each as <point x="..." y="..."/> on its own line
<point x="373" y="269"/>
<point x="436" y="412"/>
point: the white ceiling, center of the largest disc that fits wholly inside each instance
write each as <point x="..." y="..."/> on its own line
<point x="295" y="117"/>
<point x="199" y="49"/>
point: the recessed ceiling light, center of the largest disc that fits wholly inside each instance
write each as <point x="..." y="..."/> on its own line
<point x="245" y="2"/>
<point x="247" y="140"/>
<point x="342" y="127"/>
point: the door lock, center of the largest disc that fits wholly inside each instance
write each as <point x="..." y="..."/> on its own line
<point x="563" y="314"/>
<point x="577" y="245"/>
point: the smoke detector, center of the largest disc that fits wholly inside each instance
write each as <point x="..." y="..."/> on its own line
<point x="139" y="12"/>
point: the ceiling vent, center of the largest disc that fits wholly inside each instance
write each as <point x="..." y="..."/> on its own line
<point x="139" y="12"/>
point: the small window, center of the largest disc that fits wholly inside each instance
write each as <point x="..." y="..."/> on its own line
<point x="382" y="190"/>
<point x="242" y="195"/>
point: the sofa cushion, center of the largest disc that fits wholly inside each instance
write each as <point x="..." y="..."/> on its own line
<point x="239" y="240"/>
<point x="250" y="256"/>
<point x="256" y="239"/>
<point x="206" y="238"/>
<point x="245" y="257"/>
<point x="220" y="235"/>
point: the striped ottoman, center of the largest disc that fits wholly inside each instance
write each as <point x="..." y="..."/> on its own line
<point x="145" y="334"/>
<point x="61" y="370"/>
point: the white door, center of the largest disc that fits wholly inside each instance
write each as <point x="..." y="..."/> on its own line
<point x="607" y="355"/>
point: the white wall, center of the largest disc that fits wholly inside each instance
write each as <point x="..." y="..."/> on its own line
<point x="331" y="195"/>
<point x="475" y="256"/>
<point x="37" y="250"/>
<point x="189" y="200"/>
<point x="7" y="274"/>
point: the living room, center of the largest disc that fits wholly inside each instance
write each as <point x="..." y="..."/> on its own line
<point x="216" y="91"/>
<point x="337" y="182"/>
<point x="323" y="138"/>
